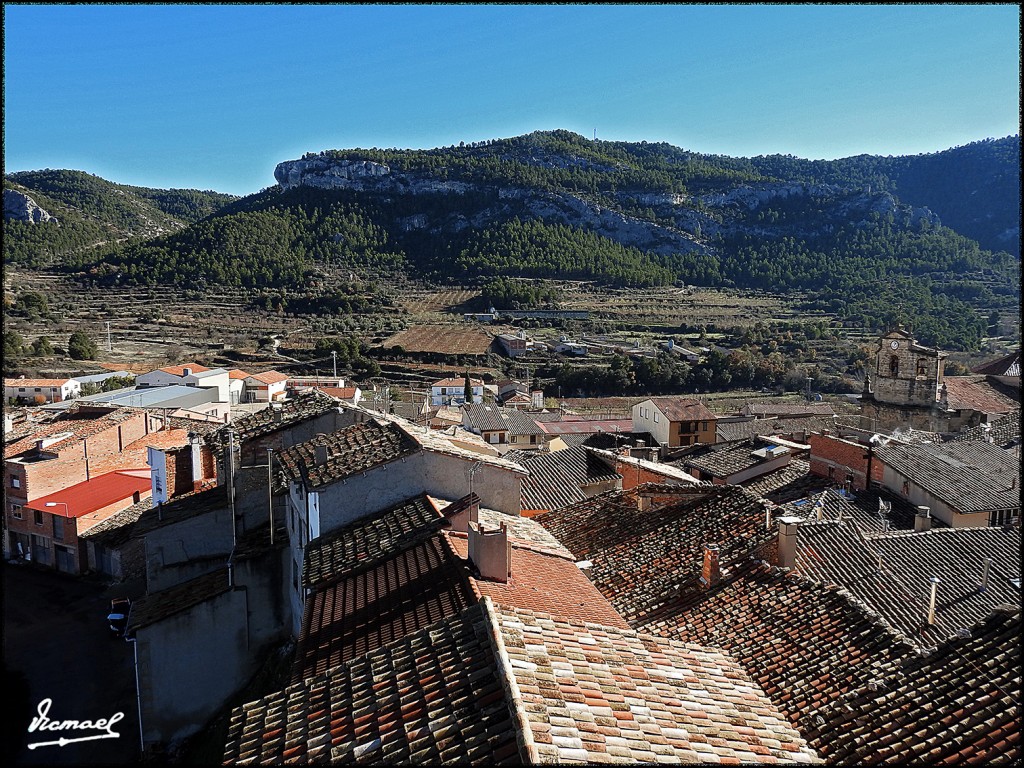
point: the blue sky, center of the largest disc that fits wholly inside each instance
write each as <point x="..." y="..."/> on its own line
<point x="213" y="97"/>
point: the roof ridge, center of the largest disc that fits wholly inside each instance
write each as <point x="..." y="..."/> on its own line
<point x="528" y="751"/>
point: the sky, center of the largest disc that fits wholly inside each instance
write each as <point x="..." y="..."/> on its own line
<point x="213" y="97"/>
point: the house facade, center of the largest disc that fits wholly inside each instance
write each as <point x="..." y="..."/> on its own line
<point x="265" y="387"/>
<point x="675" y="422"/>
<point x="41" y="390"/>
<point x="453" y="391"/>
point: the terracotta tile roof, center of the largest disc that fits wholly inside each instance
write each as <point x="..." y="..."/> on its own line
<point x="805" y="644"/>
<point x="488" y="418"/>
<point x="598" y="694"/>
<point x="682" y="409"/>
<point x="788" y="483"/>
<point x="96" y="493"/>
<point x="400" y="593"/>
<point x="787" y="410"/>
<point x="269" y="377"/>
<point x="957" y="706"/>
<point x="861" y="508"/>
<point x="342" y="393"/>
<point x="76" y="423"/>
<point x="179" y="370"/>
<point x="1003" y="431"/>
<point x="436" y="696"/>
<point x="301" y="407"/>
<point x="35" y="382"/>
<point x="237" y="373"/>
<point x="457" y="383"/>
<point x="585" y="426"/>
<point x="366" y="541"/>
<point x="157" y="606"/>
<point x="556" y="479"/>
<point x="1004" y="366"/>
<point x="838" y="553"/>
<point x="349" y="451"/>
<point x="542" y="581"/>
<point x="773" y="425"/>
<point x="975" y="393"/>
<point x="969" y="476"/>
<point x="639" y="557"/>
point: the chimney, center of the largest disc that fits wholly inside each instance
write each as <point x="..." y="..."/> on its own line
<point x="277" y="414"/>
<point x="712" y="573"/>
<point x="923" y="519"/>
<point x="537" y="398"/>
<point x="643" y="502"/>
<point x="984" y="574"/>
<point x="186" y="371"/>
<point x="320" y="453"/>
<point x="490" y="552"/>
<point x="463" y="512"/>
<point x="787" y="541"/>
<point x="931" y="601"/>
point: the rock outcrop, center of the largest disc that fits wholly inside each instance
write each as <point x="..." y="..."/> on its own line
<point x="324" y="173"/>
<point x="20" y="207"/>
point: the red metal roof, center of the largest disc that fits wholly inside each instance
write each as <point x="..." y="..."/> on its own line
<point x="97" y="493"/>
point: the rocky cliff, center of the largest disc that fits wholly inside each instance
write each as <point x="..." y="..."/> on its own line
<point x="20" y="207"/>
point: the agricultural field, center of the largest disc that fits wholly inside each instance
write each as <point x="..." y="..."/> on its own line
<point x="441" y="340"/>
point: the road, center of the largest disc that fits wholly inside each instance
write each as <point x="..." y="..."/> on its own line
<point x="56" y="635"/>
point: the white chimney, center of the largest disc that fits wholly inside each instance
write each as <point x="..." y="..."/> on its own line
<point x="923" y="519"/>
<point x="931" y="601"/>
<point x="787" y="541"/>
<point x="490" y="552"/>
<point x="984" y="574"/>
<point x="186" y="371"/>
<point x="537" y="398"/>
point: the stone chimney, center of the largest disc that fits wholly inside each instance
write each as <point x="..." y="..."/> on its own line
<point x="643" y="502"/>
<point x="712" y="573"/>
<point x="923" y="519"/>
<point x="787" y="541"/>
<point x="490" y="552"/>
<point x="320" y="453"/>
<point x="463" y="512"/>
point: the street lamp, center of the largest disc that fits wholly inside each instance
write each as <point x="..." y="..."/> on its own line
<point x="67" y="509"/>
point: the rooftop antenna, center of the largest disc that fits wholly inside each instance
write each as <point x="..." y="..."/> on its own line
<point x="595" y="134"/>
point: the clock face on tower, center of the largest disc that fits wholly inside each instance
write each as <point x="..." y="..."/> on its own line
<point x="894" y="344"/>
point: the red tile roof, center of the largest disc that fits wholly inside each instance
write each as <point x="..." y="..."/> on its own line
<point x="237" y="373"/>
<point x="35" y="382"/>
<point x="682" y="409"/>
<point x="96" y="493"/>
<point x="545" y="582"/>
<point x="976" y="394"/>
<point x="342" y="393"/>
<point x="269" y="377"/>
<point x="77" y="424"/>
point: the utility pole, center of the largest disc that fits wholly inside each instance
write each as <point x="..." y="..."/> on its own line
<point x="334" y="356"/>
<point x="110" y="348"/>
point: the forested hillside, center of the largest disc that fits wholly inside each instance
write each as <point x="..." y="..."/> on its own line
<point x="863" y="238"/>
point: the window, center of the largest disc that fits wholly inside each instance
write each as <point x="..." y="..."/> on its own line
<point x="922" y="367"/>
<point x="16" y="511"/>
<point x="58" y="527"/>
<point x="703" y="426"/>
<point x="906" y="488"/>
<point x="15" y="482"/>
<point x="894" y="366"/>
<point x="656" y="417"/>
<point x="38" y="516"/>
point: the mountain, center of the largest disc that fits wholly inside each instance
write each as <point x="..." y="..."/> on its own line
<point x="865" y="238"/>
<point x="90" y="212"/>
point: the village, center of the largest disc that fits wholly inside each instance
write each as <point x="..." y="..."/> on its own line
<point x="482" y="574"/>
